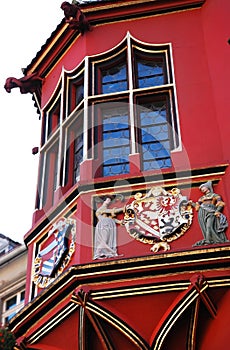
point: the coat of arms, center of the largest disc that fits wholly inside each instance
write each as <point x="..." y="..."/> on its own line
<point x="55" y="252"/>
<point x="159" y="217"/>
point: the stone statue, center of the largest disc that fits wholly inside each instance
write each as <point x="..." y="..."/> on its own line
<point x="27" y="84"/>
<point x="75" y="17"/>
<point x="212" y="221"/>
<point x="105" y="241"/>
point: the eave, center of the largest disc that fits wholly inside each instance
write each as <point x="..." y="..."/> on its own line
<point x="147" y="270"/>
<point x="101" y="13"/>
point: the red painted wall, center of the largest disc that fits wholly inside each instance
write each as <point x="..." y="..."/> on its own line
<point x="195" y="75"/>
<point x="201" y="65"/>
<point x="200" y="52"/>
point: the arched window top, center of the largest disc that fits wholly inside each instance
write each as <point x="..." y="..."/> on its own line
<point x="51" y="117"/>
<point x="130" y="41"/>
<point x="135" y="81"/>
<point x="150" y="69"/>
<point x="132" y="64"/>
<point x="74" y="87"/>
<point x="111" y="75"/>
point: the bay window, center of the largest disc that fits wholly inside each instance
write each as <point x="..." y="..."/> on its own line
<point x="113" y="105"/>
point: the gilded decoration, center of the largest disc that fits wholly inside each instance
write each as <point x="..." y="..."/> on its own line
<point x="159" y="217"/>
<point x="55" y="252"/>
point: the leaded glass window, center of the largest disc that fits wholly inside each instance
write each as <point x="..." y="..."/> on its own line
<point x="74" y="149"/>
<point x="138" y="73"/>
<point x="116" y="142"/>
<point x="76" y="94"/>
<point x="112" y="75"/>
<point x="150" y="72"/>
<point x="78" y="155"/>
<point x="50" y="161"/>
<point x="154" y="135"/>
<point x="53" y="119"/>
<point x="114" y="79"/>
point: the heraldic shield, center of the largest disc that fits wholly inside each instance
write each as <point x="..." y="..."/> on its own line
<point x="159" y="217"/>
<point x="55" y="252"/>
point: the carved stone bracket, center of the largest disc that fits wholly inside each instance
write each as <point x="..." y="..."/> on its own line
<point x="75" y="17"/>
<point x="27" y="84"/>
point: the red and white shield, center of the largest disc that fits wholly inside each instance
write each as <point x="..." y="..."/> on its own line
<point x="158" y="215"/>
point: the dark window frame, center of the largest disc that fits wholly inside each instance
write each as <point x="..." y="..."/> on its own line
<point x="73" y="131"/>
<point x="74" y="85"/>
<point x="144" y="100"/>
<point x="151" y="57"/>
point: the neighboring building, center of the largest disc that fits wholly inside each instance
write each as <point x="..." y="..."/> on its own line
<point x="6" y="244"/>
<point x="13" y="267"/>
<point x="134" y="99"/>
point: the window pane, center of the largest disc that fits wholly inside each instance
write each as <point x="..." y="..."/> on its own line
<point x="150" y="70"/>
<point x="51" y="174"/>
<point x="155" y="150"/>
<point x="22" y="296"/>
<point x="112" y="170"/>
<point x="114" y="79"/>
<point x="78" y="155"/>
<point x="53" y="119"/>
<point x="116" y="138"/>
<point x="74" y="151"/>
<point x="160" y="130"/>
<point x="12" y="306"/>
<point x="10" y="303"/>
<point x="8" y="318"/>
<point x="79" y="94"/>
<point x="113" y="155"/>
<point x="157" y="164"/>
<point x="112" y="75"/>
<point x="154" y="135"/>
<point x="116" y="144"/>
<point x="76" y="92"/>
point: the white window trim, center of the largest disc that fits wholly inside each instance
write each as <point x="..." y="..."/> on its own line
<point x="84" y="66"/>
<point x="19" y="304"/>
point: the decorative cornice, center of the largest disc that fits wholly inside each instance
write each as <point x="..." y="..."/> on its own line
<point x="181" y="179"/>
<point x="14" y="254"/>
<point x="102" y="13"/>
<point x="140" y="270"/>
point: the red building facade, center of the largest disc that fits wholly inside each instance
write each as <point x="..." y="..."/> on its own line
<point x="121" y="255"/>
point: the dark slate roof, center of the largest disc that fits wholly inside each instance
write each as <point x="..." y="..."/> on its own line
<point x="7" y="244"/>
<point x="81" y="2"/>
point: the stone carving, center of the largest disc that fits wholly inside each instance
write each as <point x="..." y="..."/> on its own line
<point x="27" y="84"/>
<point x="212" y="221"/>
<point x="105" y="241"/>
<point x="159" y="217"/>
<point x="75" y="17"/>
